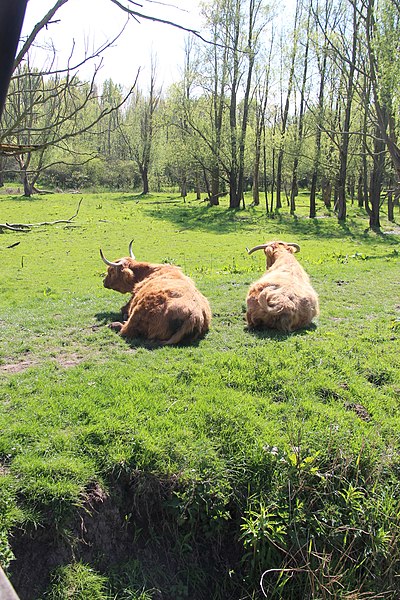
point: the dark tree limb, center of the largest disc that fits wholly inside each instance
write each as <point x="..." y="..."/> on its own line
<point x="40" y="25"/>
<point x="12" y="14"/>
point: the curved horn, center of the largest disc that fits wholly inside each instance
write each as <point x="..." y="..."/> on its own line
<point x="130" y="250"/>
<point x="108" y="262"/>
<point x="296" y="246"/>
<point x="260" y="247"/>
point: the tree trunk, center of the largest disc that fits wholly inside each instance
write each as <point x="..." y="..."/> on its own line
<point x="28" y="187"/>
<point x="214" y="186"/>
<point x="295" y="187"/>
<point x="345" y="136"/>
<point x="313" y="193"/>
<point x="206" y="183"/>
<point x="251" y="54"/>
<point x="265" y="172"/>
<point x="256" y="176"/>
<point x="318" y="133"/>
<point x="351" y="188"/>
<point x="145" y="180"/>
<point x="198" y="190"/>
<point x="234" y="198"/>
<point x="183" y="187"/>
<point x="379" y="90"/>
<point x="285" y="111"/>
<point x="326" y="186"/>
<point x="376" y="181"/>
<point x="273" y="180"/>
<point x="12" y="17"/>
<point x="2" y="163"/>
<point x="24" y="166"/>
<point x="390" y="206"/>
<point x="360" y="191"/>
<point x="261" y="107"/>
<point x="340" y="200"/>
<point x="363" y="181"/>
<point x="375" y="195"/>
<point x="278" y="202"/>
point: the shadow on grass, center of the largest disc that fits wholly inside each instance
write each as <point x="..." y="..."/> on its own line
<point x="146" y="199"/>
<point x="280" y="336"/>
<point x="201" y="217"/>
<point x="20" y="197"/>
<point x="149" y="345"/>
<point x="195" y="216"/>
<point x="104" y="318"/>
<point x="393" y="254"/>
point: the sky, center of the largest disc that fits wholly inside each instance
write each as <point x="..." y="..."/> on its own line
<point x="90" y="23"/>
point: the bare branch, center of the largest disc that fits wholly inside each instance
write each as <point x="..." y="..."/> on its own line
<point x="31" y="38"/>
<point x="70" y="68"/>
<point x="136" y="15"/>
<point x="10" y="228"/>
<point x="25" y="227"/>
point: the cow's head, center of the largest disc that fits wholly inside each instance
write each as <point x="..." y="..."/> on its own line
<point x="121" y="274"/>
<point x="273" y="249"/>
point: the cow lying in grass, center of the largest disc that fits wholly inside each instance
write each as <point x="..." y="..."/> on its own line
<point x="283" y="297"/>
<point x="165" y="306"/>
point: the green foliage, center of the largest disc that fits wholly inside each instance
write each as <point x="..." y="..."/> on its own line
<point x="292" y="534"/>
<point x="98" y="173"/>
<point x="9" y="515"/>
<point x="123" y="582"/>
<point x="246" y="454"/>
<point x="77" y="581"/>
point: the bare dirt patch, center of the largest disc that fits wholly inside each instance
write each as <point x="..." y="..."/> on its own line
<point x="17" y="367"/>
<point x="69" y="360"/>
<point x="63" y="360"/>
<point x="360" y="411"/>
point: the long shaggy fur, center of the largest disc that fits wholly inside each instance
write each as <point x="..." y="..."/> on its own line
<point x="165" y="305"/>
<point x="283" y="298"/>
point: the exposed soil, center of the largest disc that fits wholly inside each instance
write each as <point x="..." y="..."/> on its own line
<point x="99" y="534"/>
<point x="69" y="360"/>
<point x="63" y="360"/>
<point x="17" y="367"/>
<point x="131" y="522"/>
<point x="360" y="411"/>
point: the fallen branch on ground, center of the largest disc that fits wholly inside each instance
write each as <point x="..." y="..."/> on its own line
<point x="28" y="226"/>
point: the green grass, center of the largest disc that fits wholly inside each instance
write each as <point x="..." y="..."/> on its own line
<point x="247" y="453"/>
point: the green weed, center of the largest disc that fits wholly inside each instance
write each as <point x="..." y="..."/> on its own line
<point x="77" y="581"/>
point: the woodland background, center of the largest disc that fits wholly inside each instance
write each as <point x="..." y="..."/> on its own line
<point x="263" y="104"/>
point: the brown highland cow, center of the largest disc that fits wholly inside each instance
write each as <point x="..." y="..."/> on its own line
<point x="165" y="306"/>
<point x="283" y="297"/>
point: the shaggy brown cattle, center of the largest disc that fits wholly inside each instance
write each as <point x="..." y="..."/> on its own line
<point x="283" y="297"/>
<point x="165" y="306"/>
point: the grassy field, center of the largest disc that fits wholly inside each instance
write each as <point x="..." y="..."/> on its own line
<point x="249" y="465"/>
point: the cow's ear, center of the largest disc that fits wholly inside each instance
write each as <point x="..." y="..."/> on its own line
<point x="269" y="250"/>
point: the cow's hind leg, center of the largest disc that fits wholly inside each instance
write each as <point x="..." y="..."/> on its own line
<point x="131" y="328"/>
<point x="116" y="326"/>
